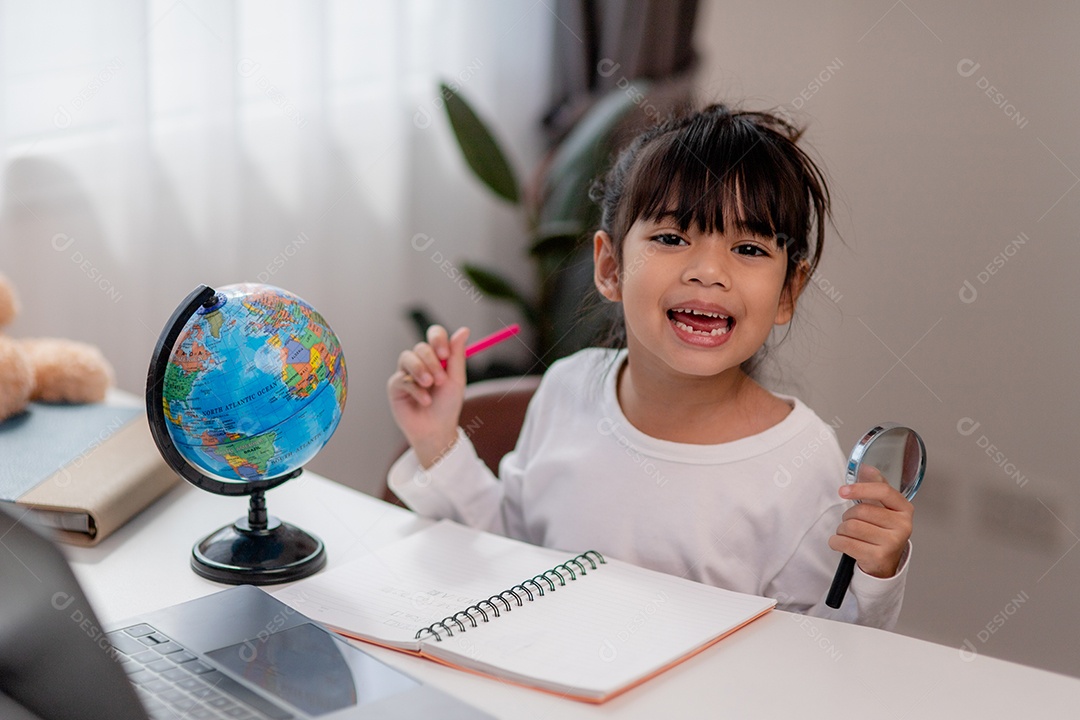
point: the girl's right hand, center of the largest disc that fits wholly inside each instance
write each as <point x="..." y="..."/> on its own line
<point x="426" y="399"/>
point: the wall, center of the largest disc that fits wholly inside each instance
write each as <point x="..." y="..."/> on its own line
<point x="949" y="136"/>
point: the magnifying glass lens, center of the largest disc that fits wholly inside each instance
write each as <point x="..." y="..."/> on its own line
<point x="887" y="453"/>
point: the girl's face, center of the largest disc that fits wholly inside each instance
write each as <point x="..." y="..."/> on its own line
<point x="694" y="303"/>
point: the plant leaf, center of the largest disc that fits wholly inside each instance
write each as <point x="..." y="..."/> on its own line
<point x="558" y="243"/>
<point x="495" y="286"/>
<point x="479" y="147"/>
<point x="581" y="157"/>
<point x="570" y="226"/>
<point x="421" y="320"/>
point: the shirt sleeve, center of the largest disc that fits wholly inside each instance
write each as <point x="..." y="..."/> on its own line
<point x="803" y="583"/>
<point x="877" y="601"/>
<point x="460" y="487"/>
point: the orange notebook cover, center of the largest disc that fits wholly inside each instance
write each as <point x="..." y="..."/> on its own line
<point x="582" y="626"/>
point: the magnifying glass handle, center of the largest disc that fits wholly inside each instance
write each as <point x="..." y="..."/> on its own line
<point x="840" y="581"/>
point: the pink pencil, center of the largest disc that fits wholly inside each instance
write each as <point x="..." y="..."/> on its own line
<point x="493" y="339"/>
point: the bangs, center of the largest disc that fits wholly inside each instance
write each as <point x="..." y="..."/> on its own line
<point x="721" y="170"/>
<point x="724" y="176"/>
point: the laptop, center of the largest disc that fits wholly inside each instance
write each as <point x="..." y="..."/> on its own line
<point x="238" y="653"/>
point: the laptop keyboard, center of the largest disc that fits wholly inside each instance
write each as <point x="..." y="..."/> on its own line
<point x="174" y="684"/>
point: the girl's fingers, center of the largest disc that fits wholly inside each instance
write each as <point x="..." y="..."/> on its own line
<point x="877" y="560"/>
<point x="877" y="515"/>
<point x="883" y="493"/>
<point x="421" y="368"/>
<point x="413" y="366"/>
<point x="430" y="359"/>
<point x="864" y="553"/>
<point x="403" y="384"/>
<point x="439" y="341"/>
<point x="866" y="532"/>
<point x="455" y="362"/>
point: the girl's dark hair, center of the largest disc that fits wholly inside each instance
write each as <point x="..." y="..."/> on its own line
<point x="721" y="168"/>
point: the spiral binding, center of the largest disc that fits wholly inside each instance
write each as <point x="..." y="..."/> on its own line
<point x="530" y="590"/>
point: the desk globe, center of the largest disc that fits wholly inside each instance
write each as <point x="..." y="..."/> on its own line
<point x="246" y="385"/>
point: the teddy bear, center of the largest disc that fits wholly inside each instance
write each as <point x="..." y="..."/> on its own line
<point x="46" y="369"/>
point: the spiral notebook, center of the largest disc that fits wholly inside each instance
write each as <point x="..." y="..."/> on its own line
<point x="580" y="625"/>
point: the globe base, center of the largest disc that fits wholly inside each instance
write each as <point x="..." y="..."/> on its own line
<point x="277" y="552"/>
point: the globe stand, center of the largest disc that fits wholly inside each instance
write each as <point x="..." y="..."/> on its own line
<point x="258" y="549"/>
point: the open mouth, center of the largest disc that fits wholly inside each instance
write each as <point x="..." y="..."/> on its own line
<point x="701" y="322"/>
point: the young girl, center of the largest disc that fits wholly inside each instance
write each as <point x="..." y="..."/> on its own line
<point x="666" y="453"/>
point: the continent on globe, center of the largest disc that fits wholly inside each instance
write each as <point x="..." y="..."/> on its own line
<point x="255" y="385"/>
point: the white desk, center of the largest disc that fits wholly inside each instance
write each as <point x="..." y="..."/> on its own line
<point x="780" y="666"/>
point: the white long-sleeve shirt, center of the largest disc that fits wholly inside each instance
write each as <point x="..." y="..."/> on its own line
<point x="754" y="515"/>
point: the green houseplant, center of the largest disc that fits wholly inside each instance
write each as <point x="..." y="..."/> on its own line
<point x="558" y="217"/>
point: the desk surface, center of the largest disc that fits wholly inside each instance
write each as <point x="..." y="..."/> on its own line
<point x="782" y="665"/>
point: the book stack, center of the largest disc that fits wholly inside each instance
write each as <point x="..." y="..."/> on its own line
<point x="81" y="470"/>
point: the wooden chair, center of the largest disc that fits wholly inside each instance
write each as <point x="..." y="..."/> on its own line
<point x="492" y="416"/>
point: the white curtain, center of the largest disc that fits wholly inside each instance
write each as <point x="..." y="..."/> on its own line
<point x="149" y="147"/>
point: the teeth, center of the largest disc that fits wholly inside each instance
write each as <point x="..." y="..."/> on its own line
<point x="702" y="313"/>
<point x="687" y="328"/>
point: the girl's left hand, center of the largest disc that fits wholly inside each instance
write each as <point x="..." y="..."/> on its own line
<point x="876" y="530"/>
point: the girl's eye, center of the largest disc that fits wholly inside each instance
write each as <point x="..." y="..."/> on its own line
<point x="751" y="250"/>
<point x="669" y="239"/>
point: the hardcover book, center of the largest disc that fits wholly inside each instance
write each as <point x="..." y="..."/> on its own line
<point x="82" y="470"/>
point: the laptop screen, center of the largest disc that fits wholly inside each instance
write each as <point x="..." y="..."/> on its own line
<point x="57" y="662"/>
<point x="54" y="657"/>
<point x="311" y="670"/>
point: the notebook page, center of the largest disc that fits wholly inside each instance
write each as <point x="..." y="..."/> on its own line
<point x="603" y="632"/>
<point x="389" y="595"/>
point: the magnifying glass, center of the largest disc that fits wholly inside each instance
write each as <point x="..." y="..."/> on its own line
<point x="898" y="456"/>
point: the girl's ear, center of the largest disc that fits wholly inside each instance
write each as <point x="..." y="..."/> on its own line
<point x="789" y="297"/>
<point x="606" y="267"/>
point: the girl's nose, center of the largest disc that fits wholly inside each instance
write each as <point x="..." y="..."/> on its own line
<point x="706" y="267"/>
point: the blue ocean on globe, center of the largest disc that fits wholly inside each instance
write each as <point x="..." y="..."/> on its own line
<point x="255" y="384"/>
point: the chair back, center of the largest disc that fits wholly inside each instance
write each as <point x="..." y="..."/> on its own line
<point x="491" y="416"/>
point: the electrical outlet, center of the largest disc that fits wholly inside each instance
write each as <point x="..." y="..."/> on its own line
<point x="1020" y="518"/>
